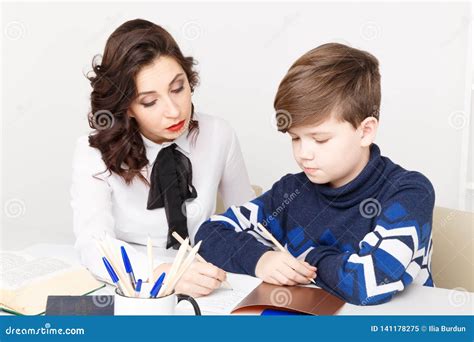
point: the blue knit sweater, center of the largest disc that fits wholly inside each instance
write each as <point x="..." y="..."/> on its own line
<point x="369" y="239"/>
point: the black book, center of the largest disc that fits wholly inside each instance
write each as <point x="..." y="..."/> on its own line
<point x="80" y="306"/>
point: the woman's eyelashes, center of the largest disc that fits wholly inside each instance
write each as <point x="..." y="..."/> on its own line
<point x="178" y="90"/>
<point x="174" y="91"/>
<point x="149" y="104"/>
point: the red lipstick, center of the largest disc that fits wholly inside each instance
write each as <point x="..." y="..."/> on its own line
<point x="176" y="127"/>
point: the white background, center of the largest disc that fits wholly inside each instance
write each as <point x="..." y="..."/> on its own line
<point x="243" y="50"/>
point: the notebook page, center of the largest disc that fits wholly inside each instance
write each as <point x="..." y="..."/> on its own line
<point x="222" y="301"/>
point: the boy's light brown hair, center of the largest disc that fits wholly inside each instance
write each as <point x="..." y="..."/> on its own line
<point x="332" y="78"/>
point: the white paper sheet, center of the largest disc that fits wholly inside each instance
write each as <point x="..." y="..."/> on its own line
<point x="222" y="301"/>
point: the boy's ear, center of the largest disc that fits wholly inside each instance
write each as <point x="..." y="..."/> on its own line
<point x="368" y="131"/>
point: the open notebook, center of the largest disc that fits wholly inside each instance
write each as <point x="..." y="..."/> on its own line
<point x="27" y="281"/>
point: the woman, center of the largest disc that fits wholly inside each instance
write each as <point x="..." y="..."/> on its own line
<point x="152" y="165"/>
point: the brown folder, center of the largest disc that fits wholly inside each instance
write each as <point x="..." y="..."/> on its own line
<point x="308" y="300"/>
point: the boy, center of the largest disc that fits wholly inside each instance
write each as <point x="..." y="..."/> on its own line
<point x="363" y="221"/>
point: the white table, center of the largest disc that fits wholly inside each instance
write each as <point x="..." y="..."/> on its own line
<point x="415" y="300"/>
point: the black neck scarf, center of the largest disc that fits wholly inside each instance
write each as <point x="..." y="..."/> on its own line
<point x="170" y="187"/>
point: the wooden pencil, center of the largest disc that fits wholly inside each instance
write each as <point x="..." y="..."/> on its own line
<point x="183" y="267"/>
<point x="225" y="283"/>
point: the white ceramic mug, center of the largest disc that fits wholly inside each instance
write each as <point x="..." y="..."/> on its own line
<point x="145" y="306"/>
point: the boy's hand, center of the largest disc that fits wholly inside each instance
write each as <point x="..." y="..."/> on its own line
<point x="200" y="279"/>
<point x="280" y="268"/>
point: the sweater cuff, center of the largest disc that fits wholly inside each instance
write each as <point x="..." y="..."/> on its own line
<point x="250" y="256"/>
<point x="318" y="253"/>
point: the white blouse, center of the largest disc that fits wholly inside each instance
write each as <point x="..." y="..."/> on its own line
<point x="108" y="207"/>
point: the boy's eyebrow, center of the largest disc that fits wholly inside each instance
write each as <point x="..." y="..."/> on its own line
<point x="312" y="133"/>
<point x="319" y="133"/>
<point x="154" y="91"/>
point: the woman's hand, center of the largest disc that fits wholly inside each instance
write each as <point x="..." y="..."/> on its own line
<point x="199" y="280"/>
<point x="280" y="268"/>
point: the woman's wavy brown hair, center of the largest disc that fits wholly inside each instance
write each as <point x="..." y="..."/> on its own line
<point x="134" y="44"/>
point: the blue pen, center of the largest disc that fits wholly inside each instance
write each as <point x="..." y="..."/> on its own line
<point x="156" y="288"/>
<point x="112" y="274"/>
<point x="138" y="288"/>
<point x="128" y="267"/>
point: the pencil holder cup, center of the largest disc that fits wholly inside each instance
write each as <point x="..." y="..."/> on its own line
<point x="145" y="306"/>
